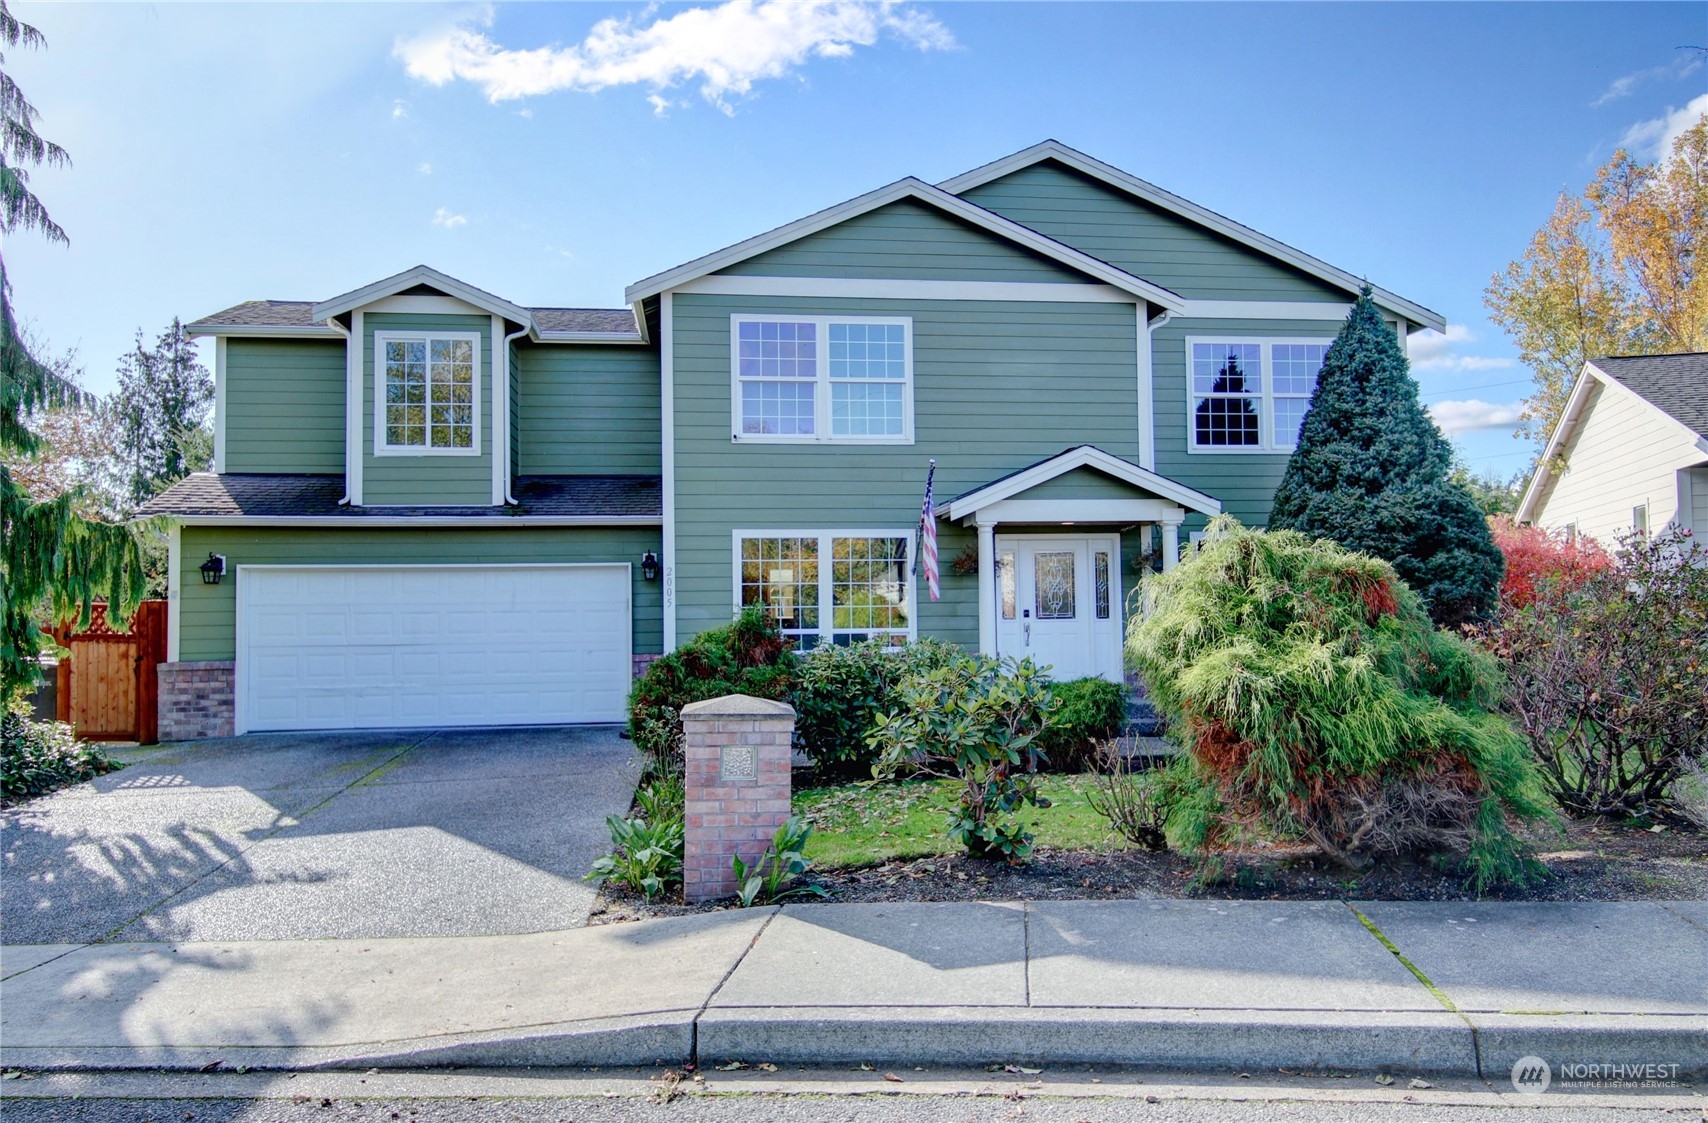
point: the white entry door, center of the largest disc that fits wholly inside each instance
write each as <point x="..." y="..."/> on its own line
<point x="1058" y="602"/>
<point x="394" y="646"/>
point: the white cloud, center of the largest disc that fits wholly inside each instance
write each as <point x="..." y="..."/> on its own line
<point x="726" y="48"/>
<point x="1433" y="350"/>
<point x="444" y="217"/>
<point x="424" y="168"/>
<point x="399" y="109"/>
<point x="1623" y="86"/>
<point x="1471" y="414"/>
<point x="1654" y="138"/>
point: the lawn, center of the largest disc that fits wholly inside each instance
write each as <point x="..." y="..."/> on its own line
<point x="861" y="823"/>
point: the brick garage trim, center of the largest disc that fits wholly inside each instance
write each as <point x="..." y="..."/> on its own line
<point x="640" y="663"/>
<point x="197" y="700"/>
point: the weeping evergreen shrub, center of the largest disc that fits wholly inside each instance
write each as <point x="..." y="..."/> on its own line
<point x="1316" y="700"/>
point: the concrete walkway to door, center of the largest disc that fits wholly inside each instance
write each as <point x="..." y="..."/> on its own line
<point x="462" y="832"/>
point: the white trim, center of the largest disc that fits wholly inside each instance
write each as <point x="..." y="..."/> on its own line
<point x="264" y="331"/>
<point x="826" y="581"/>
<point x="240" y="715"/>
<point x="219" y="404"/>
<point x="354" y="400"/>
<point x="863" y="288"/>
<point x="1266" y="310"/>
<point x="383" y="336"/>
<point x="617" y="338"/>
<point x="500" y="415"/>
<point x="420" y="275"/>
<point x="908" y="188"/>
<point x="174" y="591"/>
<point x="1147" y="395"/>
<point x="822" y="417"/>
<point x="667" y="463"/>
<point x="425" y="305"/>
<point x="1168" y="201"/>
<point x="1264" y="397"/>
<point x="1111" y="629"/>
<point x="471" y="521"/>
<point x="1076" y="512"/>
<point x="507" y="345"/>
<point x="1085" y="456"/>
<point x="1170" y="544"/>
<point x="987" y="586"/>
<point x="1685" y="515"/>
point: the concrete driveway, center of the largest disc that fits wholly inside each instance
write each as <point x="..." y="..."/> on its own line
<point x="317" y="835"/>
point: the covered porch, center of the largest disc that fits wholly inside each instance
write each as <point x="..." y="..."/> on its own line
<point x="1051" y="542"/>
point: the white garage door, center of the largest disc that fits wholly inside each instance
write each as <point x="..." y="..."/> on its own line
<point x="375" y="647"/>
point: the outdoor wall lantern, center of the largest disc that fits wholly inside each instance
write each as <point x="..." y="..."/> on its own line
<point x="213" y="569"/>
<point x="649" y="566"/>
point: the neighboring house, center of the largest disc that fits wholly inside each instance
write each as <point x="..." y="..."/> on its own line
<point x="1629" y="453"/>
<point x="1096" y="366"/>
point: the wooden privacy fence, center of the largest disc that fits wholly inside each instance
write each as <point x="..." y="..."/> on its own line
<point x="108" y="688"/>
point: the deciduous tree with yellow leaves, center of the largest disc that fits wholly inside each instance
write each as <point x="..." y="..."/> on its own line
<point x="1618" y="272"/>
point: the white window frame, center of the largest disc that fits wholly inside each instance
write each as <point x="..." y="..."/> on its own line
<point x="377" y="381"/>
<point x="822" y="384"/>
<point x="1265" y="398"/>
<point x="827" y="631"/>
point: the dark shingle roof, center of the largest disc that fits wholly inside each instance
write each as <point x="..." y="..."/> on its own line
<point x="586" y="319"/>
<point x="1677" y="385"/>
<point x="236" y="495"/>
<point x="261" y="313"/>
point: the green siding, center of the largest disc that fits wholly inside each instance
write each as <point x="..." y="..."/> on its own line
<point x="1083" y="483"/>
<point x="207" y="613"/>
<point x="1245" y="482"/>
<point x="1144" y="240"/>
<point x="997" y="386"/>
<point x="450" y="480"/>
<point x="589" y="410"/>
<point x="284" y="405"/>
<point x="911" y="240"/>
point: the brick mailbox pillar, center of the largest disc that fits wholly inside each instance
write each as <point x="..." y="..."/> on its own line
<point x="737" y="753"/>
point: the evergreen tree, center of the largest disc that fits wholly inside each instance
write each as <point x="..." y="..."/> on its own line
<point x="1371" y="471"/>
<point x="52" y="559"/>
<point x="163" y="398"/>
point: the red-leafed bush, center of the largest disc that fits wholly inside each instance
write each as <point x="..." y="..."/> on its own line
<point x="1535" y="556"/>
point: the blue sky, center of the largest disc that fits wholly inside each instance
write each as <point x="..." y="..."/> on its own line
<point x="555" y="153"/>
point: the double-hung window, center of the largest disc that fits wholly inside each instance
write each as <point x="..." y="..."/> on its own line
<point x="427" y="393"/>
<point x="822" y="378"/>
<point x="836" y="587"/>
<point x="1250" y="395"/>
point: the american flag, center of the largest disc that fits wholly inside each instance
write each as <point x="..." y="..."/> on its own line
<point x="928" y="535"/>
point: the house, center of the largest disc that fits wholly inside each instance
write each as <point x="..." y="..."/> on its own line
<point x="1629" y="453"/>
<point x="431" y="506"/>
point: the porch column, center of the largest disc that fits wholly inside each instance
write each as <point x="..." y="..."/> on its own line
<point x="1170" y="543"/>
<point x="987" y="587"/>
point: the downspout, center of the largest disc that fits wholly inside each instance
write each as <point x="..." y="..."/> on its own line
<point x="509" y="500"/>
<point x="332" y="322"/>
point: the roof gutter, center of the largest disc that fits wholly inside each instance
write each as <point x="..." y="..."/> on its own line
<point x="345" y="332"/>
<point x="509" y="500"/>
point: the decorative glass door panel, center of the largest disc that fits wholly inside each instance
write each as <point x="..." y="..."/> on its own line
<point x="1054" y="603"/>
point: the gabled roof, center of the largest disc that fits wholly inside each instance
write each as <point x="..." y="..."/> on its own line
<point x="1674" y="386"/>
<point x="909" y="188"/>
<point x="1082" y="456"/>
<point x="1166" y="200"/>
<point x="420" y="275"/>
<point x="263" y="317"/>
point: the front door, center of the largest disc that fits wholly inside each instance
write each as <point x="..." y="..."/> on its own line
<point x="1058" y="602"/>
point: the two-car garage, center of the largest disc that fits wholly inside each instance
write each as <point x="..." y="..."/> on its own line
<point x="384" y="646"/>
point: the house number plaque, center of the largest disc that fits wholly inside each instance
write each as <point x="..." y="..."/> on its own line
<point x="738" y="762"/>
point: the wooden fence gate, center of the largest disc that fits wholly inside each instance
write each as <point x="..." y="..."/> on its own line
<point x="108" y="687"/>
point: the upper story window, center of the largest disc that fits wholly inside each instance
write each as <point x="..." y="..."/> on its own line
<point x="1250" y="395"/>
<point x="822" y="378"/>
<point x="427" y="399"/>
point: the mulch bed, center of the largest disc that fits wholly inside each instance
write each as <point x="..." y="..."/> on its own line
<point x="1593" y="861"/>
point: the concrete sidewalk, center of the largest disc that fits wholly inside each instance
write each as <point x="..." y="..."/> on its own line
<point x="1453" y="988"/>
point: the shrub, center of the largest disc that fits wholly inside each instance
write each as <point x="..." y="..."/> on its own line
<point x="1608" y="676"/>
<point x="747" y="656"/>
<point x="37" y="757"/>
<point x="1534" y="556"/>
<point x="1089" y="711"/>
<point x="647" y="847"/>
<point x="1315" y="699"/>
<point x="767" y="880"/>
<point x="840" y="689"/>
<point x="978" y="721"/>
<point x="1131" y="800"/>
